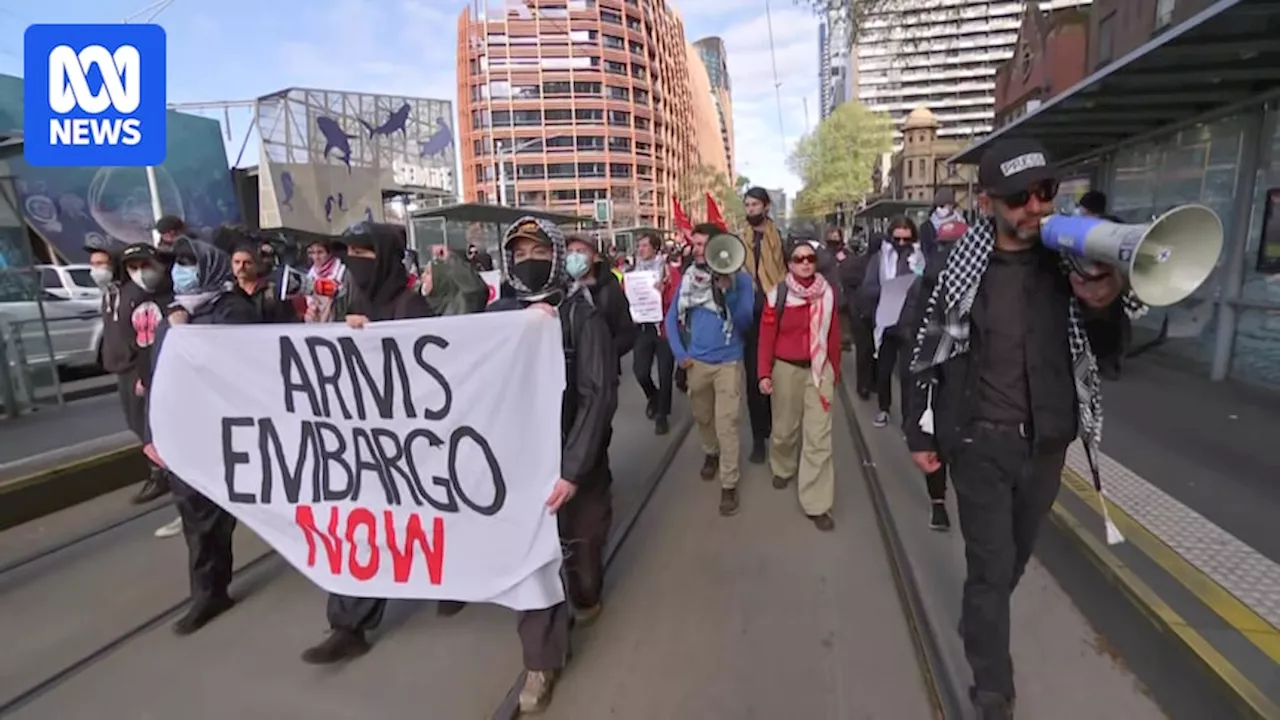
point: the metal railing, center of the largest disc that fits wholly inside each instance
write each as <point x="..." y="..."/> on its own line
<point x="19" y="377"/>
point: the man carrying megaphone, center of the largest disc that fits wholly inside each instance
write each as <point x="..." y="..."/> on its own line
<point x="1004" y="381"/>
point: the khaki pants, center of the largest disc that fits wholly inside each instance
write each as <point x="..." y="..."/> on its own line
<point x="715" y="392"/>
<point x="802" y="435"/>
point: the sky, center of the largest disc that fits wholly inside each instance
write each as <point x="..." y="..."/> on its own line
<point x="241" y="49"/>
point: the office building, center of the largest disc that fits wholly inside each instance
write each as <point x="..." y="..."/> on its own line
<point x="940" y="55"/>
<point x="834" y="53"/>
<point x="563" y="103"/>
<point x="712" y="52"/>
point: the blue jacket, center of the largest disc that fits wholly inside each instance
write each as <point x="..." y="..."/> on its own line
<point x="705" y="333"/>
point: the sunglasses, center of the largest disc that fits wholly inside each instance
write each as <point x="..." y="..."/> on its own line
<point x="1044" y="192"/>
<point x="804" y="259"/>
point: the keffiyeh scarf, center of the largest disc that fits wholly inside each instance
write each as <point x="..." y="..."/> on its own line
<point x="697" y="291"/>
<point x="944" y="334"/>
<point x="818" y="300"/>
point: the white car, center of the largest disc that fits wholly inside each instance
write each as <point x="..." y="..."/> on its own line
<point x="75" y="325"/>
<point x="70" y="282"/>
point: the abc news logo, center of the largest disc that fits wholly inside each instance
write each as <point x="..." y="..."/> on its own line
<point x="95" y="96"/>
<point x="69" y="90"/>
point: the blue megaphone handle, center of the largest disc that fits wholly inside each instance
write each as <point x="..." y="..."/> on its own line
<point x="1066" y="234"/>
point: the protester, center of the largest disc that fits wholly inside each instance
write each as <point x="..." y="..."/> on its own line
<point x="861" y="318"/>
<point x="170" y="228"/>
<point x="1002" y="325"/>
<point x="836" y="246"/>
<point x="908" y="326"/>
<point x="257" y="289"/>
<point x="799" y="365"/>
<point x="706" y="327"/>
<point x="944" y="210"/>
<point x="375" y="267"/>
<point x="651" y="342"/>
<point x="534" y="267"/>
<point x="479" y="259"/>
<point x="1110" y="351"/>
<point x="591" y="275"/>
<point x="899" y="258"/>
<point x="767" y="266"/>
<point x="453" y="286"/>
<point x="202" y="282"/>
<point x="677" y="262"/>
<point x="326" y="265"/>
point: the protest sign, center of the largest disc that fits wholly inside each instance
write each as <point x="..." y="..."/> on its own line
<point x="408" y="459"/>
<point x="644" y="296"/>
<point x="493" y="279"/>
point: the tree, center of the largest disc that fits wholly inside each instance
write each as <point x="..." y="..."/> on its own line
<point x="853" y="14"/>
<point x="836" y="160"/>
<point x="699" y="180"/>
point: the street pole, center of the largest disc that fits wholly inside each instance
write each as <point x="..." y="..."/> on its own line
<point x="157" y="210"/>
<point x="502" y="182"/>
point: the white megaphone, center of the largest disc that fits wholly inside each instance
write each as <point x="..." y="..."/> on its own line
<point x="292" y="282"/>
<point x="1165" y="260"/>
<point x="725" y="254"/>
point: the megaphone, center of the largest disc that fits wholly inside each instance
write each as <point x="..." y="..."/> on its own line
<point x="725" y="253"/>
<point x="292" y="282"/>
<point x="1165" y="260"/>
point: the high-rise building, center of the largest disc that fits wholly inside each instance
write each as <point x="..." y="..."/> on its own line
<point x="565" y="102"/>
<point x="942" y="56"/>
<point x="711" y="49"/>
<point x="834" y="48"/>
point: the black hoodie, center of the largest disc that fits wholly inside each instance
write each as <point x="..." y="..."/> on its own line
<point x="131" y="316"/>
<point x="388" y="296"/>
<point x="611" y="304"/>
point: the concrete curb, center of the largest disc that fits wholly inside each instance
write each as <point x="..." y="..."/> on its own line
<point x="43" y="493"/>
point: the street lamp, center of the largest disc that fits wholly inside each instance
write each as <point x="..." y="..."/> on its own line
<point x="501" y="153"/>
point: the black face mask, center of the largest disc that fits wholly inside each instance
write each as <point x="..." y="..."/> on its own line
<point x="361" y="270"/>
<point x="535" y="274"/>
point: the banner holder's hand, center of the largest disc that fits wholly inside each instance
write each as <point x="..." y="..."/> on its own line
<point x="543" y="307"/>
<point x="561" y="493"/>
<point x="357" y="322"/>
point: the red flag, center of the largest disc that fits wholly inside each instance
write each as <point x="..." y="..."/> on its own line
<point x="680" y="220"/>
<point x="713" y="214"/>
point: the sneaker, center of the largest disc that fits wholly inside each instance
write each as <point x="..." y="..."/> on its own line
<point x="584" y="617"/>
<point x="823" y="522"/>
<point x="991" y="706"/>
<point x="660" y="426"/>
<point x="340" y="645"/>
<point x="153" y="487"/>
<point x="710" y="466"/>
<point x="201" y="613"/>
<point x="757" y="452"/>
<point x="882" y="418"/>
<point x="780" y="483"/>
<point x="729" y="502"/>
<point x="938" y="517"/>
<point x="651" y="408"/>
<point x="535" y="696"/>
<point x="168" y="531"/>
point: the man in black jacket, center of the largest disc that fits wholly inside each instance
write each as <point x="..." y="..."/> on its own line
<point x="1005" y="382"/>
<point x="258" y="289"/>
<point x="587" y="270"/>
<point x="533" y="255"/>
<point x="853" y="268"/>
<point x="201" y="277"/>
<point x="376" y="269"/>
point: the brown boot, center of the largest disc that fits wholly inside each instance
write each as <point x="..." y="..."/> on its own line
<point x="710" y="466"/>
<point x="729" y="502"/>
<point x="823" y="522"/>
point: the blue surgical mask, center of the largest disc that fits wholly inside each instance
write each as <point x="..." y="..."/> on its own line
<point x="577" y="264"/>
<point x="186" y="278"/>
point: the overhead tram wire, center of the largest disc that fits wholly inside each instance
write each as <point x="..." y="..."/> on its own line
<point x="777" y="85"/>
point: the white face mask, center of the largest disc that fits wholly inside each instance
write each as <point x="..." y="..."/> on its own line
<point x="147" y="278"/>
<point x="101" y="276"/>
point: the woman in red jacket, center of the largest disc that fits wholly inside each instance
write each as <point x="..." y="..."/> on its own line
<point x="799" y="365"/>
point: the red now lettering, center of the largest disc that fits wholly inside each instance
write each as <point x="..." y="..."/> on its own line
<point x="400" y="546"/>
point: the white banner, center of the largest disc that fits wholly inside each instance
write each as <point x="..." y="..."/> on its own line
<point x="492" y="278"/>
<point x="410" y="459"/>
<point x="641" y="287"/>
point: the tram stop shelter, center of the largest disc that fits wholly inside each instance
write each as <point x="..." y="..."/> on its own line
<point x="876" y="216"/>
<point x="1189" y="117"/>
<point x="459" y="225"/>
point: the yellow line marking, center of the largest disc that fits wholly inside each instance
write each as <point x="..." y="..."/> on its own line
<point x="1238" y="615"/>
<point x="1165" y="616"/>
<point x="92" y="460"/>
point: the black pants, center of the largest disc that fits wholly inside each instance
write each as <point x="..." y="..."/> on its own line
<point x="584" y="523"/>
<point x="758" y="407"/>
<point x="864" y="353"/>
<point x="207" y="529"/>
<point x="649" y="347"/>
<point x="886" y="363"/>
<point x="1004" y="489"/>
<point x="935" y="482"/>
<point x="132" y="405"/>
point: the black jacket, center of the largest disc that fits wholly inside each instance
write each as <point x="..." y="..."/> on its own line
<point x="851" y="271"/>
<point x="128" y="342"/>
<point x="956" y="381"/>
<point x="267" y="304"/>
<point x="591" y="388"/>
<point x="611" y="304"/>
<point x="229" y="309"/>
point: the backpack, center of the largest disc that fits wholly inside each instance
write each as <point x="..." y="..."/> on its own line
<point x="780" y="301"/>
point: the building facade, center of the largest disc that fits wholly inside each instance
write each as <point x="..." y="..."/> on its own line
<point x="1051" y="55"/>
<point x="834" y="52"/>
<point x="563" y="103"/>
<point x="920" y="168"/>
<point x="1118" y="27"/>
<point x="943" y="58"/>
<point x="714" y="59"/>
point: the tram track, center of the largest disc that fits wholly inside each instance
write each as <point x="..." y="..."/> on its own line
<point x="946" y="693"/>
<point x="102" y="529"/>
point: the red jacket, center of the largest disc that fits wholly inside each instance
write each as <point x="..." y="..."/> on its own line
<point x="669" y="294"/>
<point x="790" y="340"/>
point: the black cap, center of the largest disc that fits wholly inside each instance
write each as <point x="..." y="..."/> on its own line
<point x="1012" y="166"/>
<point x="139" y="251"/>
<point x="170" y="223"/>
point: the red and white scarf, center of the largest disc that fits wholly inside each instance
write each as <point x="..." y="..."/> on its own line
<point x="820" y="301"/>
<point x="318" y="306"/>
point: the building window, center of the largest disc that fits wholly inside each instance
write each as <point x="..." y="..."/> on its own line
<point x="618" y="93"/>
<point x="619" y="144"/>
<point x="614" y="43"/>
<point x="610" y="17"/>
<point x="616" y="68"/>
<point x="1106" y="38"/>
<point x="619" y="170"/>
<point x="589" y="117"/>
